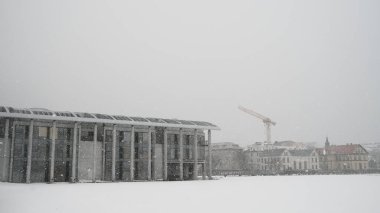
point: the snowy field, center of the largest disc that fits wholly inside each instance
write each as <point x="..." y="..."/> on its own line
<point x="354" y="193"/>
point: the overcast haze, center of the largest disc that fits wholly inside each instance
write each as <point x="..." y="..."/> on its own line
<point x="311" y="66"/>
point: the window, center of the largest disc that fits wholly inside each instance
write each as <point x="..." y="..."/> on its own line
<point x="121" y="152"/>
<point x="42" y="113"/>
<point x="84" y="115"/>
<point x="43" y="132"/>
<point x="62" y="133"/>
<point x="68" y="153"/>
<point x="124" y="137"/>
<point x="121" y="118"/>
<point x="187" y="147"/>
<point x="176" y="147"/>
<point x="26" y="132"/>
<point x="138" y="141"/>
<point x="25" y="150"/>
<point x="68" y="134"/>
<point x="108" y="136"/>
<point x="64" y="114"/>
<point x="136" y="151"/>
<point x="23" y="111"/>
<point x="2" y="131"/>
<point x="101" y="116"/>
<point x="87" y="135"/>
<point x="173" y="146"/>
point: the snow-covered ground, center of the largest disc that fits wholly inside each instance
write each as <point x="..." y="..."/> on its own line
<point x="278" y="194"/>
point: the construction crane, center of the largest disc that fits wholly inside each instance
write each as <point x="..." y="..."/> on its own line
<point x="267" y="121"/>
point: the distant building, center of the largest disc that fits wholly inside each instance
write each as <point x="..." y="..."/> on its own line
<point x="260" y="146"/>
<point x="304" y="159"/>
<point x="292" y="145"/>
<point x="227" y="159"/>
<point x="276" y="161"/>
<point x="289" y="145"/>
<point x="374" y="155"/>
<point x="343" y="157"/>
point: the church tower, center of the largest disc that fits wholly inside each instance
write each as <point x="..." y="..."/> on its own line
<point x="327" y="143"/>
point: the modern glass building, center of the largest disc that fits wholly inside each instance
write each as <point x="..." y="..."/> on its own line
<point x="39" y="145"/>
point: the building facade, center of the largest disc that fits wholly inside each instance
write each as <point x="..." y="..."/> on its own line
<point x="277" y="161"/>
<point x="227" y="159"/>
<point x="39" y="145"/>
<point x="373" y="150"/>
<point x="343" y="157"/>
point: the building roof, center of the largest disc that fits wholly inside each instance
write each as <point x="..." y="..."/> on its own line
<point x="285" y="143"/>
<point x="342" y="149"/>
<point x="305" y="152"/>
<point x="85" y="117"/>
<point x="271" y="152"/>
<point x="225" y="145"/>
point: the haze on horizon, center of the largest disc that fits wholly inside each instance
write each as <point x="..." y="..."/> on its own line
<point x="311" y="66"/>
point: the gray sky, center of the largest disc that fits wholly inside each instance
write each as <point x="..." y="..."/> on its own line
<point x="311" y="66"/>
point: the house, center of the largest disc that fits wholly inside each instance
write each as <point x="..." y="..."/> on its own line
<point x="343" y="157"/>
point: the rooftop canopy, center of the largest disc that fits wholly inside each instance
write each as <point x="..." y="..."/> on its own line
<point x="85" y="117"/>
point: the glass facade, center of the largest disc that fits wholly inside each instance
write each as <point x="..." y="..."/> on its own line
<point x="2" y="128"/>
<point x="20" y="153"/>
<point x="63" y="154"/>
<point x="108" y="155"/>
<point x="141" y="155"/>
<point x="173" y="147"/>
<point x="102" y="157"/>
<point x="201" y="147"/>
<point x="40" y="154"/>
<point x="188" y="141"/>
<point x="123" y="155"/>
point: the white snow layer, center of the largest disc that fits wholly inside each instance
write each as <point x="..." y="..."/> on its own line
<point x="277" y="194"/>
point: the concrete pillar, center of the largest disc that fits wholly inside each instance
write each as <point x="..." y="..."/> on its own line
<point x="74" y="160"/>
<point x="204" y="171"/>
<point x="153" y="139"/>
<point x="180" y="154"/>
<point x="165" y="157"/>
<point x="132" y="166"/>
<point x="52" y="152"/>
<point x="149" y="153"/>
<point x="30" y="145"/>
<point x="113" y="152"/>
<point x="94" y="153"/>
<point x="195" y="155"/>
<point x="104" y="153"/>
<point x="209" y="155"/>
<point x="11" y="157"/>
<point x="5" y="148"/>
